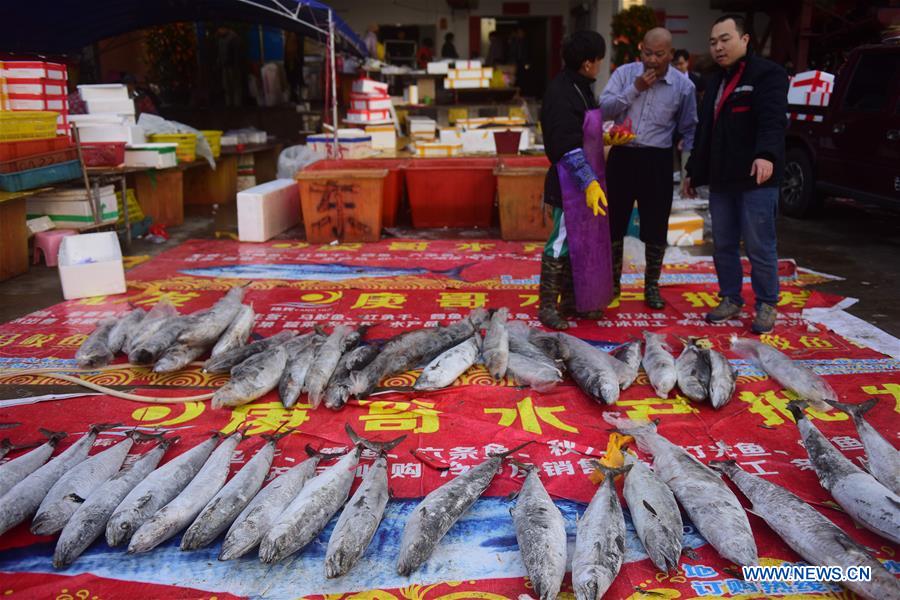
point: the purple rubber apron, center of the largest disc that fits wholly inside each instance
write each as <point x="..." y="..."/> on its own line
<point x="587" y="235"/>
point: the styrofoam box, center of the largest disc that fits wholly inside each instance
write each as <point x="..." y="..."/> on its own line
<point x="438" y="67"/>
<point x="366" y="116"/>
<point x="384" y="137"/>
<point x="466" y="84"/>
<point x="266" y="210"/>
<point x="482" y="140"/>
<point x="467" y="64"/>
<point x="349" y="147"/>
<point x="153" y="156"/>
<point x="111" y="133"/>
<point x="437" y="149"/>
<point x="36" y="86"/>
<point x="485" y="73"/>
<point x="363" y="102"/>
<point x="118" y="107"/>
<point x="102" y="119"/>
<point x="685" y="229"/>
<point x="72" y="208"/>
<point x="370" y="86"/>
<point x="103" y="91"/>
<point x="90" y="264"/>
<point x="450" y="135"/>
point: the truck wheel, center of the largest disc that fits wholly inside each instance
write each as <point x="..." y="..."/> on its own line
<point x="798" y="193"/>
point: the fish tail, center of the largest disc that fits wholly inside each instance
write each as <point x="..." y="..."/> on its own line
<point x="379" y="447"/>
<point x="728" y="466"/>
<point x="53" y="436"/>
<point x="277" y="434"/>
<point x="629" y="426"/>
<point x="855" y="410"/>
<point x="98" y="427"/>
<point x="523" y="466"/>
<point x="610" y="472"/>
<point x="312" y="453"/>
<point x="454" y="273"/>
<point x="509" y="452"/>
<point x="142" y="436"/>
<point x="796" y="407"/>
<point x="166" y="442"/>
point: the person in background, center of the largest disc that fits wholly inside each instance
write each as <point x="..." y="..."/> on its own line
<point x="228" y="63"/>
<point x="425" y="53"/>
<point x="658" y="100"/>
<point x="569" y="99"/>
<point x="518" y="55"/>
<point x="371" y="40"/>
<point x="682" y="62"/>
<point x="449" y="50"/>
<point x="739" y="153"/>
<point x="495" y="53"/>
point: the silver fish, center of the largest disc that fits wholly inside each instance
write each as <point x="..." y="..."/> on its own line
<point x="155" y="318"/>
<point x="76" y="486"/>
<point x="654" y="513"/>
<point x="659" y="364"/>
<point x="692" y="371"/>
<point x="184" y="508"/>
<point x="338" y="391"/>
<point x="712" y="506"/>
<point x="496" y="344"/>
<point x="95" y="352"/>
<point x="233" y="498"/>
<point x="252" y="379"/>
<point x="870" y="503"/>
<point x="599" y="540"/>
<point x="785" y="371"/>
<point x="149" y="348"/>
<point x="89" y="521"/>
<point x="359" y="520"/>
<point x="722" y="379"/>
<point x="327" y="358"/>
<point x="17" y="469"/>
<point x="126" y="326"/>
<point x="223" y="363"/>
<point x="237" y="333"/>
<point x="155" y="491"/>
<point x="206" y="326"/>
<point x="178" y="357"/>
<point x="628" y="354"/>
<point x="541" y="534"/>
<point x="811" y="535"/>
<point x="20" y="502"/>
<point x="539" y="375"/>
<point x="301" y="352"/>
<point x="439" y="510"/>
<point x="591" y="368"/>
<point x="260" y="515"/>
<point x="446" y="368"/>
<point x="882" y="458"/>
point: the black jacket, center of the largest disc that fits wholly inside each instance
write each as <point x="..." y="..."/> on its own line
<point x="568" y="97"/>
<point x="751" y="125"/>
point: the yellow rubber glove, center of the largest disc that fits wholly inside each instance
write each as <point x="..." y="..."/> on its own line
<point x="594" y="197"/>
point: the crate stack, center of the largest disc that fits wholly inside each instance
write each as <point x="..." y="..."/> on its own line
<point x="35" y="86"/>
<point x="370" y="106"/>
<point x="108" y="126"/>
<point x="467" y="75"/>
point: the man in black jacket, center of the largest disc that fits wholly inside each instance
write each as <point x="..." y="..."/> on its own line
<point x="739" y="153"/>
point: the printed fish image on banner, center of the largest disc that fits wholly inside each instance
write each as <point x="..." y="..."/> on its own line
<point x="316" y="272"/>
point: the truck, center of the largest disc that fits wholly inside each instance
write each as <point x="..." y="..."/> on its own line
<point x="850" y="146"/>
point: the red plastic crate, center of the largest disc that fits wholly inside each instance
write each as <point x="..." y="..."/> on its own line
<point x="451" y="192"/>
<point x="524" y="162"/>
<point x="35" y="161"/>
<point x="11" y="150"/>
<point x="103" y="154"/>
<point x="392" y="183"/>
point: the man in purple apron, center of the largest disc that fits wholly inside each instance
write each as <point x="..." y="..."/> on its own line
<point x="576" y="266"/>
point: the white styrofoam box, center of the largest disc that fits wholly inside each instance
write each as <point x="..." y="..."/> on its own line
<point x="90" y="264"/>
<point x="437" y="149"/>
<point x="475" y="122"/>
<point x="266" y="210"/>
<point x="384" y="137"/>
<point x="39" y="224"/>
<point x="24" y="69"/>
<point x="807" y="88"/>
<point x="417" y="123"/>
<point x="73" y="211"/>
<point x="482" y="140"/>
<point x="118" y="107"/>
<point x="36" y="86"/>
<point x="111" y="133"/>
<point x="153" y="156"/>
<point x="685" y="229"/>
<point x="103" y="91"/>
<point x="102" y="119"/>
<point x="467" y="64"/>
<point x="38" y="102"/>
<point x="229" y="140"/>
<point x="370" y="86"/>
<point x="466" y="84"/>
<point x="367" y="116"/>
<point x="450" y="135"/>
<point x="350" y="145"/>
<point x="485" y="73"/>
<point x="366" y="102"/>
<point x="438" y="67"/>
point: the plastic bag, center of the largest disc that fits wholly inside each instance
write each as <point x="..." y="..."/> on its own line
<point x="294" y="158"/>
<point x="154" y="124"/>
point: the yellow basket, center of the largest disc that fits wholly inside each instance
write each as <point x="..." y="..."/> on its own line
<point x="135" y="212"/>
<point x="24" y="125"/>
<point x="214" y="138"/>
<point x="187" y="144"/>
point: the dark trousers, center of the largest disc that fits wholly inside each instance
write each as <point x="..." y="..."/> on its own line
<point x="643" y="175"/>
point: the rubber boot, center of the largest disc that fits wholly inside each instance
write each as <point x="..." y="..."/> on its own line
<point x="548" y="294"/>
<point x="653" y="254"/>
<point x="567" y="295"/>
<point x="617" y="249"/>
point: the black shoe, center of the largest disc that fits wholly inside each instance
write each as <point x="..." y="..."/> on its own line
<point x="653" y="255"/>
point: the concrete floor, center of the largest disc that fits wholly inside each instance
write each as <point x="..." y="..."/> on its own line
<point x="859" y="243"/>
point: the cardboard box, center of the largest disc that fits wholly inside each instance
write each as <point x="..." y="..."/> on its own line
<point x="152" y="156"/>
<point x="370" y="86"/>
<point x="266" y="210"/>
<point x="90" y="264"/>
<point x="466" y="84"/>
<point x="103" y="92"/>
<point x="685" y="229"/>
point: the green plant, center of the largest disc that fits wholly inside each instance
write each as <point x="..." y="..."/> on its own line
<point x="628" y="29"/>
<point x="172" y="57"/>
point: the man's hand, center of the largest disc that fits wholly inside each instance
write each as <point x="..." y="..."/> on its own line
<point x="644" y="82"/>
<point x="594" y="197"/>
<point x="762" y="170"/>
<point x="687" y="190"/>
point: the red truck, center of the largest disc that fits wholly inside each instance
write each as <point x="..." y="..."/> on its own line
<point x="851" y="147"/>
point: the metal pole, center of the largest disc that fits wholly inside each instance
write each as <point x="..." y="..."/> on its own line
<point x="334" y="107"/>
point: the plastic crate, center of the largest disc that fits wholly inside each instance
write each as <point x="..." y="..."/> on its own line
<point x="35" y="161"/>
<point x="187" y="144"/>
<point x="40" y="177"/>
<point x="214" y="139"/>
<point x="11" y="150"/>
<point x="393" y="182"/>
<point x="103" y="154"/>
<point x="451" y="192"/>
<point x="27" y="125"/>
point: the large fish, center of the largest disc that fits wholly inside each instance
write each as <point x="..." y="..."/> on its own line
<point x="654" y="513"/>
<point x="184" y="508"/>
<point x="301" y="352"/>
<point x="495" y="346"/>
<point x="692" y="372"/>
<point x="155" y="318"/>
<point x="252" y="379"/>
<point x="20" y="502"/>
<point x="785" y="371"/>
<point x="599" y="540"/>
<point x="712" y="506"/>
<point x="359" y="520"/>
<point x="591" y="368"/>
<point x="90" y="519"/>
<point x="448" y="366"/>
<point x="260" y="515"/>
<point x="314" y="272"/>
<point x="17" y="469"/>
<point x="659" y="364"/>
<point x="811" y="535"/>
<point x="722" y="378"/>
<point x="338" y="391"/>
<point x="870" y="503"/>
<point x="439" y="510"/>
<point x="149" y="348"/>
<point x="528" y="364"/>
<point x="155" y="491"/>
<point x="541" y="534"/>
<point x="126" y="326"/>
<point x="223" y="363"/>
<point x="308" y="514"/>
<point x="177" y="357"/>
<point x="628" y="354"/>
<point x="77" y="485"/>
<point x="882" y="458"/>
<point x="208" y="325"/>
<point x="237" y="333"/>
<point x="95" y="352"/>
<point x="408" y="350"/>
<point x="343" y="338"/>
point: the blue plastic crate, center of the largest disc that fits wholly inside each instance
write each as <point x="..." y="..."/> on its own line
<point x="40" y="177"/>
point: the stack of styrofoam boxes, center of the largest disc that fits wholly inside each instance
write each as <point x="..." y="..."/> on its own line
<point x="110" y="115"/>
<point x="369" y="102"/>
<point x="71" y="207"/>
<point x="422" y="129"/>
<point x="468" y="74"/>
<point x="352" y="143"/>
<point x="37" y="85"/>
<point x="811" y="88"/>
<point x="152" y="156"/>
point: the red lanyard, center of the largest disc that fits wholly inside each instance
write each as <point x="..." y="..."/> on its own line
<point x="729" y="88"/>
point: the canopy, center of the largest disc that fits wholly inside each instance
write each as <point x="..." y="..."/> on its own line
<point x="63" y="26"/>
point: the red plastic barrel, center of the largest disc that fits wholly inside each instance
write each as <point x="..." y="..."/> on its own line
<point x="451" y="192"/>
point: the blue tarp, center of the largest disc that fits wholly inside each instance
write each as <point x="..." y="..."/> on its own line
<point x="65" y="26"/>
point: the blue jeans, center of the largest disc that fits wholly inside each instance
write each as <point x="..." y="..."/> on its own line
<point x="751" y="216"/>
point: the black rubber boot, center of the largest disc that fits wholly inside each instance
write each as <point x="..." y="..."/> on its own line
<point x="548" y="294"/>
<point x="617" y="249"/>
<point x="653" y="255"/>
